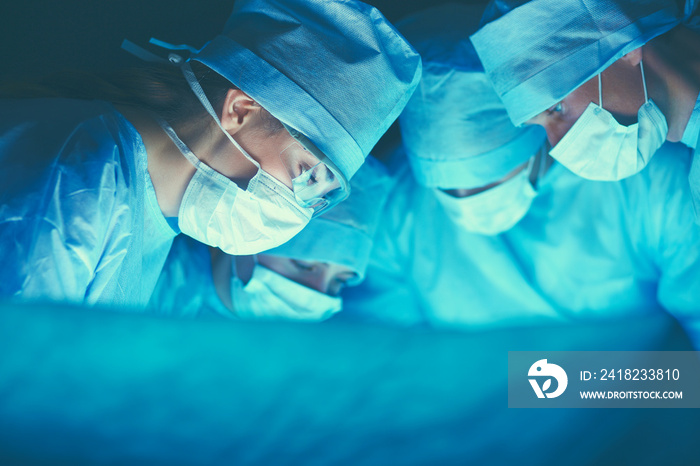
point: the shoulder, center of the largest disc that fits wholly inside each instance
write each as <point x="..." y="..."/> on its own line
<point x="67" y="161"/>
<point x="671" y="162"/>
<point x="658" y="198"/>
<point x="42" y="139"/>
<point x="45" y="125"/>
<point x="665" y="176"/>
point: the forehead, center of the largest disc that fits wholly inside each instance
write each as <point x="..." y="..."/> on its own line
<point x="587" y="90"/>
<point x="288" y="265"/>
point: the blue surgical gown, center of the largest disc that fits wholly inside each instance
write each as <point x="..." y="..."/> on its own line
<point x="185" y="288"/>
<point x="79" y="220"/>
<point x="585" y="250"/>
<point x="694" y="181"/>
<point x="690" y="138"/>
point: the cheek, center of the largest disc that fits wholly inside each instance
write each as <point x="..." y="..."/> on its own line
<point x="557" y="128"/>
<point x="278" y="171"/>
<point x="266" y="151"/>
<point x="315" y="282"/>
<point x="574" y="105"/>
<point x="555" y="132"/>
<point x="271" y="163"/>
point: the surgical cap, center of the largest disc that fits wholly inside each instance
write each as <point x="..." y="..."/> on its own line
<point x="536" y="53"/>
<point x="336" y="71"/>
<point x="455" y="130"/>
<point x="345" y="234"/>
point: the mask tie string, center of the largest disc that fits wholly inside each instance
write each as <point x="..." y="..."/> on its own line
<point x="644" y="82"/>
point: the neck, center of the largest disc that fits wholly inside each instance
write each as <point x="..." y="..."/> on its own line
<point x="222" y="268"/>
<point x="221" y="264"/>
<point x="168" y="168"/>
<point x="674" y="64"/>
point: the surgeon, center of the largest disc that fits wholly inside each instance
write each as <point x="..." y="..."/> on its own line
<point x="485" y="230"/>
<point x="237" y="146"/>
<point x="609" y="80"/>
<point x="299" y="280"/>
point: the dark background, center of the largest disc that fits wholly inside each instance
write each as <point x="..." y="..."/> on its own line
<point x="42" y="37"/>
<point x="38" y="37"/>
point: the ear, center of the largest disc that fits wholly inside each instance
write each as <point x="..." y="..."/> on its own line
<point x="633" y="58"/>
<point x="237" y="110"/>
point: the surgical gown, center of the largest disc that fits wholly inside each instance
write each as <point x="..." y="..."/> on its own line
<point x="79" y="220"/>
<point x="690" y="139"/>
<point x="585" y="250"/>
<point x="185" y="288"/>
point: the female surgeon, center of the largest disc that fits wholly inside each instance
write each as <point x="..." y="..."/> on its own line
<point x="300" y="280"/>
<point x="237" y="147"/>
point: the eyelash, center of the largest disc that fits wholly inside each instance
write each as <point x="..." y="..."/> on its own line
<point x="304" y="267"/>
<point x="555" y="109"/>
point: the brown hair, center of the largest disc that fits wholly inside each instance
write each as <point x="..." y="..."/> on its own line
<point x="160" y="89"/>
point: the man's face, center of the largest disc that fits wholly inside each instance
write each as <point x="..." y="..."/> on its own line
<point x="623" y="94"/>
<point x="466" y="192"/>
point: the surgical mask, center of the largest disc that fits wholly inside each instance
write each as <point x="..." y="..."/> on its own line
<point x="597" y="147"/>
<point x="495" y="210"/>
<point x="216" y="212"/>
<point x="269" y="295"/>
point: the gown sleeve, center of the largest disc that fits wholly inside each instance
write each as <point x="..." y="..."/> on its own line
<point x="675" y="237"/>
<point x="386" y="296"/>
<point x="62" y="222"/>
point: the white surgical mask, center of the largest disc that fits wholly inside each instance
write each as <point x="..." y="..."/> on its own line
<point x="597" y="147"/>
<point x="495" y="210"/>
<point x="215" y="211"/>
<point x="271" y="296"/>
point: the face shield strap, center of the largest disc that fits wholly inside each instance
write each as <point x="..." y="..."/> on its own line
<point x="150" y="57"/>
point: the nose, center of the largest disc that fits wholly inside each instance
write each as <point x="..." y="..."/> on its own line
<point x="321" y="281"/>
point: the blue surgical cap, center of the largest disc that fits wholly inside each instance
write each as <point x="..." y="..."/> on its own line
<point x="335" y="70"/>
<point x="536" y="53"/>
<point x="345" y="234"/>
<point x="455" y="130"/>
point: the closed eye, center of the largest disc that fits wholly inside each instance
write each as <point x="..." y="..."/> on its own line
<point x="557" y="108"/>
<point x="303" y="266"/>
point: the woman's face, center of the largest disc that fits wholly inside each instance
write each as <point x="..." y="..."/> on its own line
<point x="268" y="150"/>
<point x="280" y="151"/>
<point x="283" y="157"/>
<point x="324" y="277"/>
